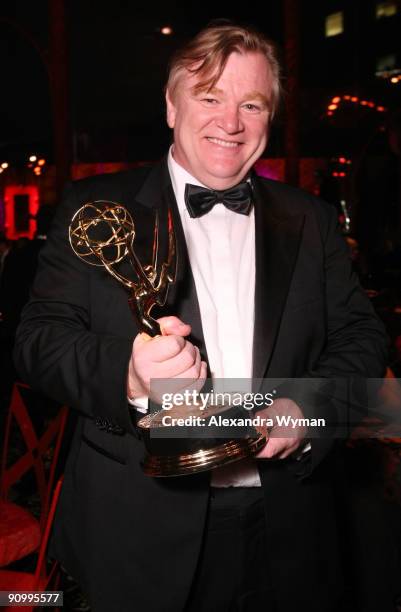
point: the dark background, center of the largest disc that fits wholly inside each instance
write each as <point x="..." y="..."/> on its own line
<point x="116" y="69"/>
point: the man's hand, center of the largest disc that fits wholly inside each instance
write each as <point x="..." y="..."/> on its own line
<point x="282" y="440"/>
<point x="168" y="356"/>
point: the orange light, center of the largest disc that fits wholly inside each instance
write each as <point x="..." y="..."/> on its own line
<point x="41" y="162"/>
<point x="354" y="99"/>
<point x="166" y="30"/>
<point x="336" y="100"/>
<point x="347" y="97"/>
<point x="4" y="165"/>
<point x="363" y="103"/>
<point x="380" y="109"/>
<point x="332" y="107"/>
<point x="33" y="158"/>
<point x="37" y="170"/>
<point x="394" y="79"/>
<point x="1" y="170"/>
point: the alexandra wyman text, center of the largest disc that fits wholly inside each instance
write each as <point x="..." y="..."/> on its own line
<point x="257" y="421"/>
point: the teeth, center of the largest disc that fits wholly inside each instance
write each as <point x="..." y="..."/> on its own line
<point x="223" y="143"/>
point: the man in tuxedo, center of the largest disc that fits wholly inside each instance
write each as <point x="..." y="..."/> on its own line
<point x="264" y="289"/>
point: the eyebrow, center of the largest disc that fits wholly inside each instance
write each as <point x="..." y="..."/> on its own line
<point x="252" y="95"/>
<point x="202" y="90"/>
<point x="256" y="95"/>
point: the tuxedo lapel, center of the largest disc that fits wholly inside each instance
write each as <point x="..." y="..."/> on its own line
<point x="277" y="238"/>
<point x="157" y="196"/>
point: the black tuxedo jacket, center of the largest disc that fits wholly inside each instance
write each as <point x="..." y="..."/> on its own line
<point x="133" y="541"/>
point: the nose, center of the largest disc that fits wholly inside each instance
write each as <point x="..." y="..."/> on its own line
<point x="230" y="121"/>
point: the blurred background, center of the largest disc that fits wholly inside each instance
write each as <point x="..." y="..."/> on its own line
<point x="82" y="94"/>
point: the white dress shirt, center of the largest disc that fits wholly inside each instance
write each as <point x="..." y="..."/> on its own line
<point x="221" y="250"/>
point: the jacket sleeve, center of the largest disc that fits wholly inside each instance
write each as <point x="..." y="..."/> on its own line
<point x="355" y="350"/>
<point x="56" y="351"/>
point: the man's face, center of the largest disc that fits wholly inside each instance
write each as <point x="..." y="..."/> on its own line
<point x="219" y="134"/>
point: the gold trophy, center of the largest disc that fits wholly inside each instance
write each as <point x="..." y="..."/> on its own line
<point x="102" y="233"/>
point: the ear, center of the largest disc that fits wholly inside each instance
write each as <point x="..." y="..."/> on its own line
<point x="171" y="111"/>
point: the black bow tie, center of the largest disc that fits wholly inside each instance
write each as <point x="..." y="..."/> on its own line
<point x="200" y="200"/>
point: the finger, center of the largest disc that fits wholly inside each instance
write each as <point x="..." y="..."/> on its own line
<point x="193" y="367"/>
<point x="173" y="326"/>
<point x="196" y="384"/>
<point x="197" y="362"/>
<point x="140" y="340"/>
<point x="192" y="373"/>
<point x="178" y="365"/>
<point x="162" y="348"/>
<point x="203" y="370"/>
<point x="273" y="448"/>
<point x="291" y="449"/>
<point x="202" y="377"/>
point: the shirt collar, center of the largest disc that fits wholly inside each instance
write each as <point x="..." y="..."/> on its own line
<point x="179" y="178"/>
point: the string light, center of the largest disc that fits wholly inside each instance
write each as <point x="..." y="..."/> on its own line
<point x="337" y="100"/>
<point x="36" y="165"/>
<point x="340" y="171"/>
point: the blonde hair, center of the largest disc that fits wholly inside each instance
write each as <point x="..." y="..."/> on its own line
<point x="206" y="56"/>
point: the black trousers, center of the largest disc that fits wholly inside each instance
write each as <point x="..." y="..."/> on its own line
<point x="233" y="571"/>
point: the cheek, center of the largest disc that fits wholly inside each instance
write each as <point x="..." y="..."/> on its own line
<point x="187" y="125"/>
<point x="200" y="121"/>
<point x="260" y="134"/>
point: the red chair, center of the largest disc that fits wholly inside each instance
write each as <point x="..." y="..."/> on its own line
<point x="20" y="532"/>
<point x="43" y="578"/>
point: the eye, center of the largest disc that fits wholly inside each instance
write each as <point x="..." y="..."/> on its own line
<point x="209" y="101"/>
<point x="252" y="108"/>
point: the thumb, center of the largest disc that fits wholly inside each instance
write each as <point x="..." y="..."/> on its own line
<point x="173" y="326"/>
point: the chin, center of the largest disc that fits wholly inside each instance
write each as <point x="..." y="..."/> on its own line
<point x="226" y="171"/>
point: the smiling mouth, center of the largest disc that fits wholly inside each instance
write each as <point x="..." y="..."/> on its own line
<point x="223" y="143"/>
